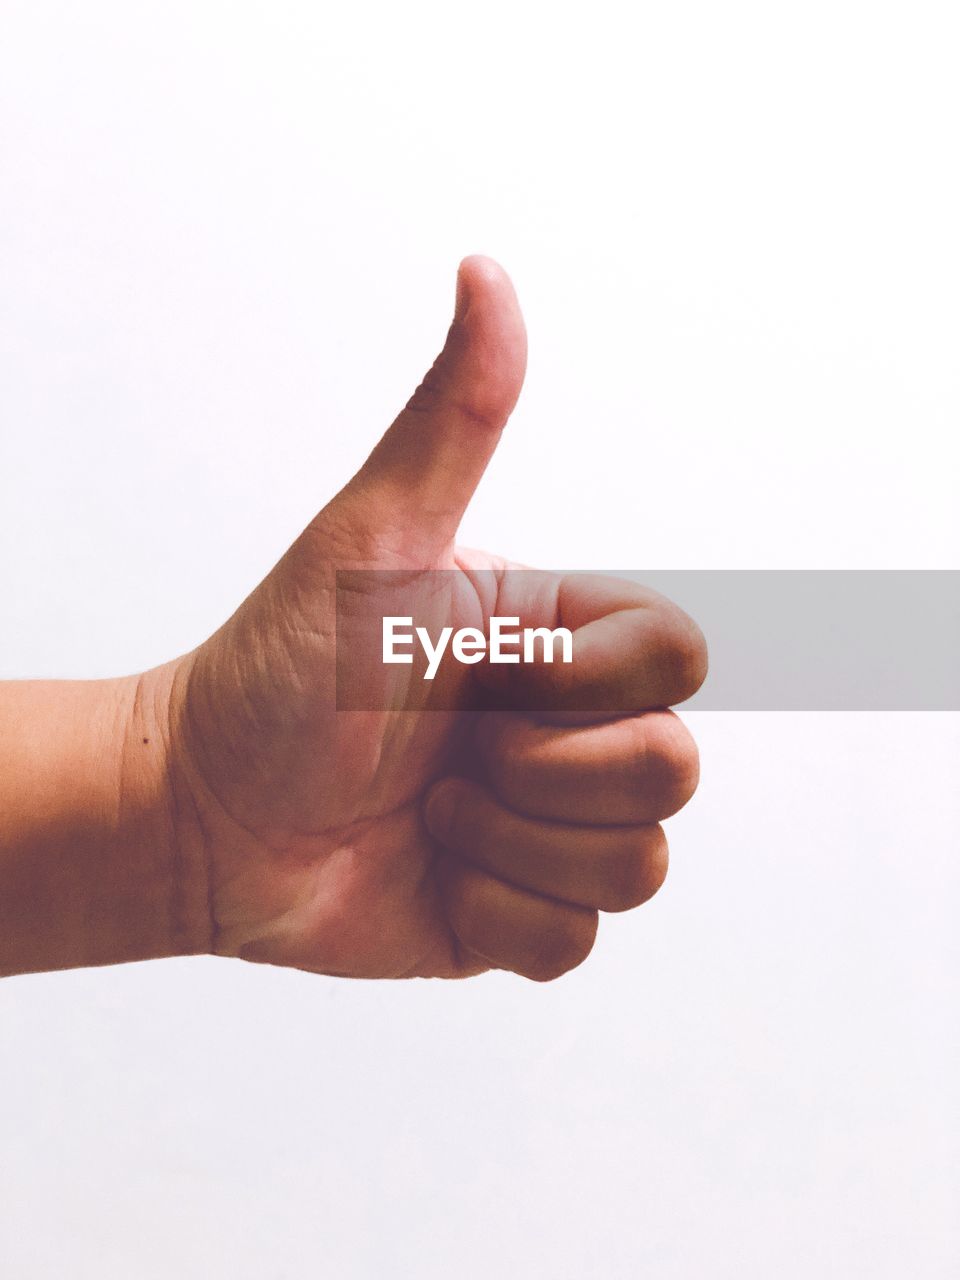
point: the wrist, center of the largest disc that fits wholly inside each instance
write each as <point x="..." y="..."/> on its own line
<point x="159" y="825"/>
<point x="91" y="868"/>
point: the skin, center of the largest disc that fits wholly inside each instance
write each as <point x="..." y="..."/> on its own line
<point x="222" y="804"/>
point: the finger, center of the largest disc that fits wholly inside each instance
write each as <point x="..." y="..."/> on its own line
<point x="511" y="928"/>
<point x="608" y="868"/>
<point x="633" y="649"/>
<point x="421" y="476"/>
<point x="640" y="769"/>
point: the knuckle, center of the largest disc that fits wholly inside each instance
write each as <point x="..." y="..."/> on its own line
<point x="465" y="906"/>
<point x="673" y="766"/>
<point x="564" y="946"/>
<point x="638" y="873"/>
<point x="664" y="761"/>
<point x="638" y="729"/>
<point x="685" y="657"/>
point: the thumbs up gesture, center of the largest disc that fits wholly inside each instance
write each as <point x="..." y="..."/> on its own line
<point x="416" y="840"/>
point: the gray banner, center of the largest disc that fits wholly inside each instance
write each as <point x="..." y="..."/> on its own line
<point x="823" y="640"/>
<point x="778" y="640"/>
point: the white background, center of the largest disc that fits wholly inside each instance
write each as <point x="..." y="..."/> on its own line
<point x="228" y="239"/>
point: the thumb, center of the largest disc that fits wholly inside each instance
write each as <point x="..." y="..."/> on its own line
<point x="423" y="472"/>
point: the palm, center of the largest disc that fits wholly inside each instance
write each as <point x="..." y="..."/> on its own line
<point x="319" y="858"/>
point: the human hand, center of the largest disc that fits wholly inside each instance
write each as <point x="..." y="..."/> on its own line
<point x="394" y="843"/>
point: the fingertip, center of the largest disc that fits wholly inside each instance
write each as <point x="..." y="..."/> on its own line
<point x="482" y="278"/>
<point x="429" y="462"/>
<point x="481" y="267"/>
<point x="488" y="341"/>
<point x="472" y="273"/>
<point x="463" y="290"/>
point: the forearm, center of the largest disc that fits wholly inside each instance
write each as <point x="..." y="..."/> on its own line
<point x="90" y="867"/>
